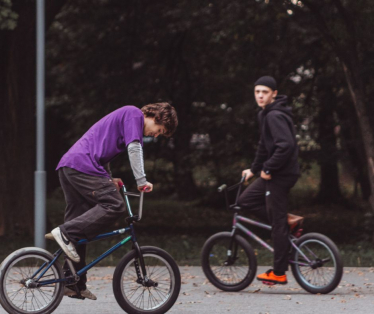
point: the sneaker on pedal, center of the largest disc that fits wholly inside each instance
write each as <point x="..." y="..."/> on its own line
<point x="269" y="276"/>
<point x="65" y="244"/>
<point x="70" y="292"/>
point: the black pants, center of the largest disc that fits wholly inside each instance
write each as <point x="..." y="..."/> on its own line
<point x="92" y="204"/>
<point x="268" y="200"/>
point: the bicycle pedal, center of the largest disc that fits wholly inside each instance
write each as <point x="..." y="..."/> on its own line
<point x="268" y="283"/>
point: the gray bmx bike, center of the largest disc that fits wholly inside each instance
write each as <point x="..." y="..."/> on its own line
<point x="230" y="264"/>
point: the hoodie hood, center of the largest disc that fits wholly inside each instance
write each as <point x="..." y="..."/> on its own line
<point x="280" y="104"/>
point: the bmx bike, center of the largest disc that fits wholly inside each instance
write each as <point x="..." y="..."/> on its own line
<point x="230" y="264"/>
<point x="146" y="280"/>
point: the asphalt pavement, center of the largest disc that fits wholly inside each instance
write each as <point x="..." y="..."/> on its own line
<point x="355" y="294"/>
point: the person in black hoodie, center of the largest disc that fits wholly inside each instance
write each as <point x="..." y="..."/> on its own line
<point x="276" y="162"/>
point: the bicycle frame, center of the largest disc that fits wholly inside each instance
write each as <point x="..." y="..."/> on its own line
<point x="47" y="265"/>
<point x="238" y="218"/>
<point x="238" y="225"/>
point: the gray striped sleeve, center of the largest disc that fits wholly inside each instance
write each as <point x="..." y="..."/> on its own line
<point x="135" y="152"/>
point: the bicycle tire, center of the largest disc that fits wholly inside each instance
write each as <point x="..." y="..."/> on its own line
<point x="325" y="263"/>
<point x="215" y="254"/>
<point x="159" y="265"/>
<point x="20" y="264"/>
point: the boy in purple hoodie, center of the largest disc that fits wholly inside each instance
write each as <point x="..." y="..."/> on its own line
<point x="92" y="195"/>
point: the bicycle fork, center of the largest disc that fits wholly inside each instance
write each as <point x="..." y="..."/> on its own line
<point x="142" y="279"/>
<point x="232" y="250"/>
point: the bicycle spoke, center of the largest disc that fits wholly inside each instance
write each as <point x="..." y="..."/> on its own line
<point x="323" y="270"/>
<point x="18" y="276"/>
<point x="232" y="274"/>
<point x="15" y="293"/>
<point x="148" y="298"/>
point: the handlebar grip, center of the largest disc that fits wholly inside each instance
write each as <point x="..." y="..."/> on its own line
<point x="222" y="187"/>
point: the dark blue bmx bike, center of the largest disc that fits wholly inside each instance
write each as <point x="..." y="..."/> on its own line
<point x="146" y="280"/>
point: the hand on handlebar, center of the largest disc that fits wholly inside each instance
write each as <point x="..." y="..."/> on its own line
<point x="118" y="183"/>
<point x="247" y="173"/>
<point x="148" y="187"/>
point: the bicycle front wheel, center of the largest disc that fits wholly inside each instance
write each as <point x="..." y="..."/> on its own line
<point x="228" y="270"/>
<point x="19" y="292"/>
<point x="317" y="264"/>
<point x="158" y="294"/>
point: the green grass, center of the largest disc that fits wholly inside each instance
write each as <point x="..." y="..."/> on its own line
<point x="186" y="250"/>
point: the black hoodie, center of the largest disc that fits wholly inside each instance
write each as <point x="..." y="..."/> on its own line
<point x="277" y="151"/>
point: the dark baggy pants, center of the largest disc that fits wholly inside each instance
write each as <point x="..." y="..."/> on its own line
<point x="268" y="200"/>
<point x="92" y="204"/>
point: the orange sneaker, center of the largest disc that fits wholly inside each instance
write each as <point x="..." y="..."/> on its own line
<point x="269" y="276"/>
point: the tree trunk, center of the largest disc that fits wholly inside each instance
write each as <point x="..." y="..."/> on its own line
<point x="329" y="189"/>
<point x="17" y="135"/>
<point x="353" y="80"/>
<point x="352" y="140"/>
<point x="349" y="56"/>
<point x="18" y="124"/>
<point x="180" y="91"/>
<point x="184" y="182"/>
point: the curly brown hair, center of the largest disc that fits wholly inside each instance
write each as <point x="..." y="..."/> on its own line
<point x="164" y="114"/>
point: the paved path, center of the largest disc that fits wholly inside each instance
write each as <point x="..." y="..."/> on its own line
<point x="355" y="294"/>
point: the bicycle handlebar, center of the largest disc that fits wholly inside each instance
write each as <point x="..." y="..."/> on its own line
<point x="224" y="186"/>
<point x="226" y="189"/>
<point x="125" y="194"/>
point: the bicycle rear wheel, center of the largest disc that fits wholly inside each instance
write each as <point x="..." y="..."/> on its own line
<point x="18" y="291"/>
<point x="228" y="270"/>
<point x="317" y="267"/>
<point x="164" y="280"/>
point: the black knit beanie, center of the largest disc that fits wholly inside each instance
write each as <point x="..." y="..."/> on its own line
<point x="267" y="81"/>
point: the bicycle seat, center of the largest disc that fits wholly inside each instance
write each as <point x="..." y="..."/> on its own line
<point x="294" y="220"/>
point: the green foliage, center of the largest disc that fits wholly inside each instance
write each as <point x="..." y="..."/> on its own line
<point x="202" y="56"/>
<point x="8" y="18"/>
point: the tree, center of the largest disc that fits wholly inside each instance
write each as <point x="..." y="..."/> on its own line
<point x="329" y="189"/>
<point x="346" y="27"/>
<point x="17" y="96"/>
